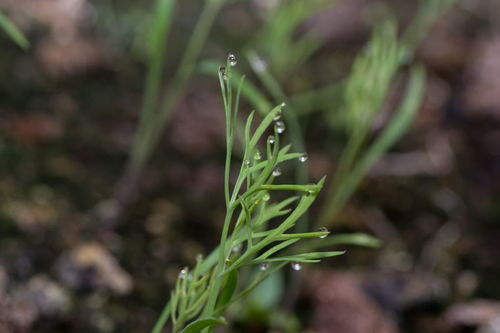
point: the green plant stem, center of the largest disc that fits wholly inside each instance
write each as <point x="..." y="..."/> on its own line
<point x="162" y="320"/>
<point x="352" y="149"/>
<point x="161" y="27"/>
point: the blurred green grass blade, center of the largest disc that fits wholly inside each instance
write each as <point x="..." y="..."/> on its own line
<point x="13" y="32"/>
<point x="158" y="33"/>
<point x="157" y="47"/>
<point x="396" y="128"/>
<point x="327" y="98"/>
<point x="428" y="12"/>
<point x="199" y="325"/>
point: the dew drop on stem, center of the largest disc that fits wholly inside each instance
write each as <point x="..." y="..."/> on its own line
<point x="271" y="139"/>
<point x="279" y="126"/>
<point x="296" y="266"/>
<point x="222" y="72"/>
<point x="264" y="266"/>
<point x="303" y="158"/>
<point x="257" y="156"/>
<point x="237" y="248"/>
<point x="277" y="172"/>
<point x="183" y="273"/>
<point x="323" y="229"/>
<point x="232" y="59"/>
<point x="277" y="116"/>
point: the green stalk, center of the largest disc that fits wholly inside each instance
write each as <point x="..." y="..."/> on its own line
<point x="161" y="27"/>
<point x="150" y="132"/>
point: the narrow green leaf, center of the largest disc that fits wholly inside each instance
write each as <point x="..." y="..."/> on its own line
<point x="13" y="32"/>
<point x="264" y="125"/>
<point x="357" y="239"/>
<point x="197" y="326"/>
<point x="276" y="248"/>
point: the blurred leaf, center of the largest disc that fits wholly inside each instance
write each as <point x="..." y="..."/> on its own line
<point x="13" y="32"/>
<point x="277" y="39"/>
<point x="391" y="134"/>
<point x="197" y="326"/>
<point x="372" y="74"/>
<point x="428" y="12"/>
<point x="267" y="294"/>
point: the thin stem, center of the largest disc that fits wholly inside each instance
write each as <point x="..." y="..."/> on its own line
<point x="150" y="132"/>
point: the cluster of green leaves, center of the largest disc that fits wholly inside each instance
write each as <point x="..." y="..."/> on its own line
<point x="373" y="73"/>
<point x="247" y="240"/>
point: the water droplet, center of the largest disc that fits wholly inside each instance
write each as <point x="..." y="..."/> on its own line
<point x="266" y="197"/>
<point x="277" y="172"/>
<point x="246" y="162"/>
<point x="271" y="139"/>
<point x="296" y="266"/>
<point x="283" y="104"/>
<point x="264" y="266"/>
<point x="309" y="193"/>
<point x="237" y="248"/>
<point x="199" y="257"/>
<point x="303" y="158"/>
<point x="277" y="116"/>
<point x="258" y="156"/>
<point x="190" y="277"/>
<point x="222" y="71"/>
<point x="232" y="59"/>
<point x="183" y="273"/>
<point x="323" y="229"/>
<point x="279" y="126"/>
